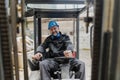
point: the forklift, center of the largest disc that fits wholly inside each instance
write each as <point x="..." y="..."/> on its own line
<point x="39" y="13"/>
<point x="106" y="60"/>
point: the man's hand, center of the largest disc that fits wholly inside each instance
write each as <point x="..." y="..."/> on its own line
<point x="68" y="53"/>
<point x="37" y="56"/>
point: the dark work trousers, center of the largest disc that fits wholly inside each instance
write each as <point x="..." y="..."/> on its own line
<point x="49" y="65"/>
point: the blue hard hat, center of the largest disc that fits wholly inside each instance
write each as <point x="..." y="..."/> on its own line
<point x="52" y="24"/>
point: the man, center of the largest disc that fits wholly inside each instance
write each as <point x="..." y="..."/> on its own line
<point x="57" y="45"/>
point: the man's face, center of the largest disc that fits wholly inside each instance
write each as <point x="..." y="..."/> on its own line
<point x="54" y="30"/>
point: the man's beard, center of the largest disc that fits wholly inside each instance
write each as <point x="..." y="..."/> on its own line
<point x="55" y="33"/>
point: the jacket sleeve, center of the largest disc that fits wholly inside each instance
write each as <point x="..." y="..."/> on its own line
<point x="68" y="43"/>
<point x="43" y="46"/>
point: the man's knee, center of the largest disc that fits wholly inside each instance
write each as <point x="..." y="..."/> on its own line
<point x="80" y="66"/>
<point x="43" y="63"/>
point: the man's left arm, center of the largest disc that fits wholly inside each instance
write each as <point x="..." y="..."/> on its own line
<point x="69" y="47"/>
<point x="68" y="44"/>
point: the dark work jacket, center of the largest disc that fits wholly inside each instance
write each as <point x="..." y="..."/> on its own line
<point x="51" y="47"/>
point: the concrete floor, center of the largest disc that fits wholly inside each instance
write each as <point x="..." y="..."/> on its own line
<point x="85" y="57"/>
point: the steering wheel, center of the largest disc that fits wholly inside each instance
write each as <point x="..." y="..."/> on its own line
<point x="62" y="60"/>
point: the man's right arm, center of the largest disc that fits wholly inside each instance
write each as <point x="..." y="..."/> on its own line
<point x="37" y="56"/>
<point x="40" y="50"/>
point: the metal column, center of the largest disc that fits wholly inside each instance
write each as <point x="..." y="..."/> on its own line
<point x="97" y="38"/>
<point x="5" y="45"/>
<point x="1" y="62"/>
<point x="77" y="36"/>
<point x="24" y="41"/>
<point x="114" y="69"/>
<point x="39" y="32"/>
<point x="14" y="41"/>
<point x="35" y="29"/>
